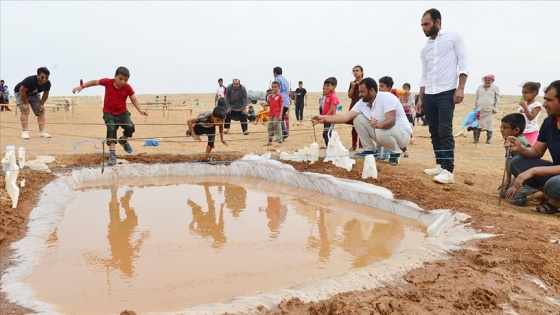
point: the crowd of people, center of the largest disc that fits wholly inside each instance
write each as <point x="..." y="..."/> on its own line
<point x="382" y="117"/>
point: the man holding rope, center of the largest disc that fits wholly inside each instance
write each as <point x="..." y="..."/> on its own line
<point x="379" y="117"/>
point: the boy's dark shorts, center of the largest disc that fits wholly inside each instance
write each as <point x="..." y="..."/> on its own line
<point x="520" y="197"/>
<point x="210" y="132"/>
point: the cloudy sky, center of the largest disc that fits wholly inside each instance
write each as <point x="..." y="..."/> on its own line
<point x="185" y="46"/>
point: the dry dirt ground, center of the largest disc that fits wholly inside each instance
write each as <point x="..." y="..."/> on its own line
<point x="477" y="279"/>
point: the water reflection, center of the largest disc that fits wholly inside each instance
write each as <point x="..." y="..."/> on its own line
<point x="120" y="233"/>
<point x="276" y="214"/>
<point x="236" y="198"/>
<point x="367" y="243"/>
<point x="206" y="224"/>
<point x="271" y="236"/>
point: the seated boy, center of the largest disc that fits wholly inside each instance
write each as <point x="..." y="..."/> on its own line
<point x="251" y="114"/>
<point x="205" y="123"/>
<point x="513" y="125"/>
<point x="262" y="115"/>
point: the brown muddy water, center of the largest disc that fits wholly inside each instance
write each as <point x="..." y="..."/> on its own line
<point x="183" y="241"/>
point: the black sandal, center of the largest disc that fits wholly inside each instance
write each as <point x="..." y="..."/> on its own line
<point x="547" y="208"/>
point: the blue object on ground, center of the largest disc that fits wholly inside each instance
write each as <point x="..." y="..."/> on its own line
<point x="151" y="143"/>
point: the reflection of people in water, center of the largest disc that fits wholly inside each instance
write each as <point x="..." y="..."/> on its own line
<point x="380" y="244"/>
<point x="322" y="242"/>
<point x="204" y="223"/>
<point x="236" y="198"/>
<point x="120" y="233"/>
<point x="275" y="213"/>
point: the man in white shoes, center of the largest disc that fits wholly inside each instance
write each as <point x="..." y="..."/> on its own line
<point x="444" y="63"/>
<point x="28" y="95"/>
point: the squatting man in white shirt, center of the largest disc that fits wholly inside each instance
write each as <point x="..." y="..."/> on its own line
<point x="379" y="117"/>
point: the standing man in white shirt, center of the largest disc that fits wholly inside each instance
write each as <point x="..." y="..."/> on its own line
<point x="444" y="63"/>
<point x="219" y="100"/>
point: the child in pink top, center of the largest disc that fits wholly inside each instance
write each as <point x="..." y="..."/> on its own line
<point x="275" y="101"/>
<point x="330" y="103"/>
<point x="531" y="109"/>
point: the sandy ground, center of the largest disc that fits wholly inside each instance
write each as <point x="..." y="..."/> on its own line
<point x="476" y="280"/>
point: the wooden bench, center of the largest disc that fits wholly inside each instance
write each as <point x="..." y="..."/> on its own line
<point x="166" y="107"/>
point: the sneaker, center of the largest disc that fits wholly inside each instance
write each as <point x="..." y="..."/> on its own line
<point x="360" y="150"/>
<point x="25" y="134"/>
<point x="394" y="159"/>
<point x="112" y="158"/>
<point x="188" y="133"/>
<point x="226" y="131"/>
<point x="246" y="132"/>
<point x="126" y="146"/>
<point x="352" y="149"/>
<point x="363" y="154"/>
<point x="445" y="177"/>
<point x="44" y="134"/>
<point x="323" y="147"/>
<point x="433" y="171"/>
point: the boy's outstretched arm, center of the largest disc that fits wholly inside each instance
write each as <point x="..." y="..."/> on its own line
<point x="85" y="85"/>
<point x="136" y="104"/>
<point x="190" y="124"/>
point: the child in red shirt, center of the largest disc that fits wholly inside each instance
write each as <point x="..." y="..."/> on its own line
<point x="275" y="102"/>
<point x="330" y="102"/>
<point x="115" y="113"/>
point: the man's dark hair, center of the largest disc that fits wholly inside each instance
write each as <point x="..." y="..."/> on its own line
<point x="43" y="70"/>
<point x="555" y="85"/>
<point x="331" y="81"/>
<point x="434" y="14"/>
<point x="369" y="83"/>
<point x="388" y="81"/>
<point x="515" y="120"/>
<point x="300" y="82"/>
<point x="220" y="80"/>
<point x="406" y="84"/>
<point x="219" y="112"/>
<point x="277" y="70"/>
<point x="122" y="71"/>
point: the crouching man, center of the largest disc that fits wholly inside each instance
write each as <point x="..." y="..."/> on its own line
<point x="377" y="117"/>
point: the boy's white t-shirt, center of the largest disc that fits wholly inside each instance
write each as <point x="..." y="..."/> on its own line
<point x="384" y="102"/>
<point x="531" y="125"/>
<point x="221" y="91"/>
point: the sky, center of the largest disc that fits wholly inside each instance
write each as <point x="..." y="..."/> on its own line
<point x="180" y="47"/>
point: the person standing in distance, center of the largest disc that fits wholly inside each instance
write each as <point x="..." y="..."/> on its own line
<point x="236" y="104"/>
<point x="443" y="57"/>
<point x="28" y="95"/>
<point x="219" y="99"/>
<point x="301" y="102"/>
<point x="285" y="91"/>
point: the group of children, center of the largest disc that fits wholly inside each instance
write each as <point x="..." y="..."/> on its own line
<point x="522" y="125"/>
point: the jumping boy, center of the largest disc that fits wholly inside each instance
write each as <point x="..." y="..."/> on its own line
<point x="330" y="102"/>
<point x="275" y="101"/>
<point x="513" y="125"/>
<point x="115" y="113"/>
<point x="205" y="123"/>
